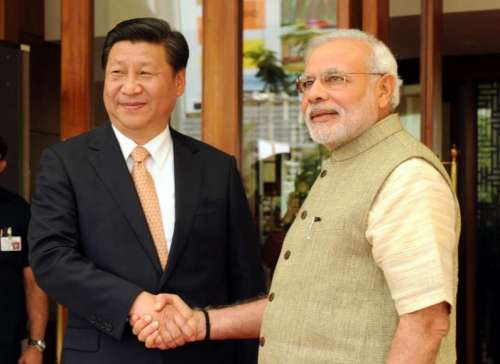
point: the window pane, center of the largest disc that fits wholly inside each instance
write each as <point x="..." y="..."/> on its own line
<point x="280" y="161"/>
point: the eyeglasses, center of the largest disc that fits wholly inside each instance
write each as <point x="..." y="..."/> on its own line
<point x="332" y="80"/>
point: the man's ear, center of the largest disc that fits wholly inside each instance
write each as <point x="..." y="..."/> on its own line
<point x="385" y="89"/>
<point x="180" y="81"/>
<point x="3" y="165"/>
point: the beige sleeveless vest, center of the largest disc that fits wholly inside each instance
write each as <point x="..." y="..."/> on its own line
<point x="329" y="302"/>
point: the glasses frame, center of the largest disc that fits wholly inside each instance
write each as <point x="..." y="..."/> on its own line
<point x="299" y="80"/>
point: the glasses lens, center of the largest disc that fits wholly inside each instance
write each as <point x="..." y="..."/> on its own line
<point x="304" y="83"/>
<point x="333" y="79"/>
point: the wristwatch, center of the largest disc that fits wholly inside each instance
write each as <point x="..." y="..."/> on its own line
<point x="38" y="344"/>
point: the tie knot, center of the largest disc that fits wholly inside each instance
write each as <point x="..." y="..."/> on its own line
<point x="139" y="154"/>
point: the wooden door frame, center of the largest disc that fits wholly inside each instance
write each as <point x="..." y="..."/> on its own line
<point x="77" y="33"/>
<point x="467" y="335"/>
<point x="222" y="75"/>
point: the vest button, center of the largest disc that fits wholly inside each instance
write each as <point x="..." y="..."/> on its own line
<point x="303" y="215"/>
<point x="287" y="254"/>
<point x="271" y="296"/>
<point x="323" y="173"/>
<point x="262" y="341"/>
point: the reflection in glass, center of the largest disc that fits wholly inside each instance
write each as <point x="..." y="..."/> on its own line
<point x="316" y="13"/>
<point x="280" y="161"/>
<point x="409" y="109"/>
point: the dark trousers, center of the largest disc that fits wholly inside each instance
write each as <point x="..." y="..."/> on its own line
<point x="10" y="353"/>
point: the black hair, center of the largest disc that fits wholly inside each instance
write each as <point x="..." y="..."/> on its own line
<point x="3" y="149"/>
<point x="149" y="30"/>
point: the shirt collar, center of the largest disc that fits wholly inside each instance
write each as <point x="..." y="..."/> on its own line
<point x="159" y="147"/>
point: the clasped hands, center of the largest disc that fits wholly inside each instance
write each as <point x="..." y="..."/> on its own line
<point x="164" y="321"/>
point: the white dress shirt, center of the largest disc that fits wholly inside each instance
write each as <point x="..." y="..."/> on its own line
<point x="161" y="167"/>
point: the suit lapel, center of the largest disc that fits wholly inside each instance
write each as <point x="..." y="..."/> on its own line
<point x="106" y="157"/>
<point x="188" y="179"/>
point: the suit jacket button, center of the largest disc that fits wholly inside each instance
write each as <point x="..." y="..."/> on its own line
<point x="271" y="296"/>
<point x="303" y="215"/>
<point x="262" y="341"/>
<point x="323" y="173"/>
<point x="287" y="254"/>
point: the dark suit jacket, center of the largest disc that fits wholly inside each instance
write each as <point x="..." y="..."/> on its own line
<point x="91" y="249"/>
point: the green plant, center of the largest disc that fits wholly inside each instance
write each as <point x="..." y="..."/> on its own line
<point x="270" y="71"/>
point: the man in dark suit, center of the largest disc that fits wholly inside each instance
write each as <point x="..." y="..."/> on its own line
<point x="134" y="208"/>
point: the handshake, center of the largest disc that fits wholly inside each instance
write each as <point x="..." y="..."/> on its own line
<point x="164" y="321"/>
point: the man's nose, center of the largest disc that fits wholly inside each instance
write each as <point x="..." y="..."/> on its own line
<point x="131" y="85"/>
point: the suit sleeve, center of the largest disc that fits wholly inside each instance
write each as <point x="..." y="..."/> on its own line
<point x="58" y="261"/>
<point x="246" y="275"/>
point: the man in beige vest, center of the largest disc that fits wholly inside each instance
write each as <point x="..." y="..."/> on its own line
<point x="368" y="270"/>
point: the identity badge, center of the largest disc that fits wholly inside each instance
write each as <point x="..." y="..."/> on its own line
<point x="11" y="244"/>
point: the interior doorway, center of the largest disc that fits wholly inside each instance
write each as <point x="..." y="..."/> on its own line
<point x="488" y="218"/>
<point x="471" y="121"/>
<point x="472" y="88"/>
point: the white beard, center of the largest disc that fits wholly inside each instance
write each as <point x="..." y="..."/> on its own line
<point x="350" y="123"/>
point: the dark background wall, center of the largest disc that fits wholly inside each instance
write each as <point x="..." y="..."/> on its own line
<point x="22" y="22"/>
<point x="11" y="114"/>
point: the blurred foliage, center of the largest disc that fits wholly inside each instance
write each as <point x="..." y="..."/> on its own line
<point x="310" y="168"/>
<point x="270" y="71"/>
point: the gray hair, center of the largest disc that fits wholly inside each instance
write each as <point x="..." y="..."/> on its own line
<point x="381" y="61"/>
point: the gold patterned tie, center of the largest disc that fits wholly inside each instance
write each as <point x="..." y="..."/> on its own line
<point x="145" y="187"/>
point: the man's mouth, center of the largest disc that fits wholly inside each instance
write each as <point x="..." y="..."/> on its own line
<point x="322" y="115"/>
<point x="132" y="106"/>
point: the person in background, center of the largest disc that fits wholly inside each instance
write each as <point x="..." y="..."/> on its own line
<point x="22" y="302"/>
